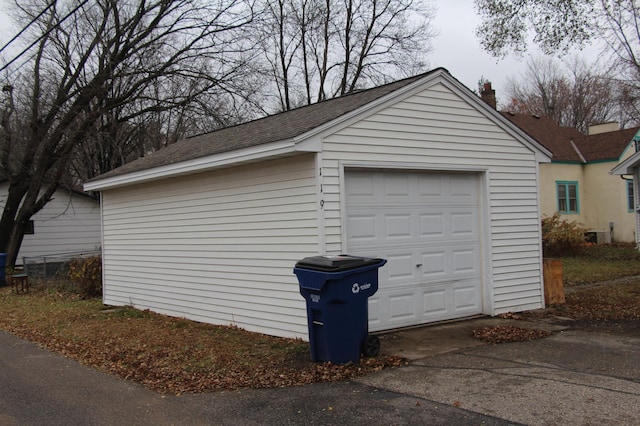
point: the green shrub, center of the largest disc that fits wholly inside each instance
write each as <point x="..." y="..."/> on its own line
<point x="86" y="274"/>
<point x="561" y="237"/>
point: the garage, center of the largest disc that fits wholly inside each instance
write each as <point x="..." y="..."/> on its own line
<point x="420" y="172"/>
<point x="428" y="227"/>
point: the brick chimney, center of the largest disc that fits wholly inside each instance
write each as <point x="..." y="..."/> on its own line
<point x="488" y="95"/>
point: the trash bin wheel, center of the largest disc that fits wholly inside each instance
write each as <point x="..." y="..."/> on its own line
<point x="371" y="346"/>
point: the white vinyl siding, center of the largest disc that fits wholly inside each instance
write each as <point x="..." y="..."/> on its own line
<point x="436" y="129"/>
<point x="216" y="247"/>
<point x="68" y="223"/>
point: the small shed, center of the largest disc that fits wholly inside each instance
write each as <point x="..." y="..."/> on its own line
<point x="69" y="223"/>
<point x="420" y="172"/>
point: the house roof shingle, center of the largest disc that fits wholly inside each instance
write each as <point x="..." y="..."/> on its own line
<point x="608" y="146"/>
<point x="570" y="145"/>
<point x="549" y="134"/>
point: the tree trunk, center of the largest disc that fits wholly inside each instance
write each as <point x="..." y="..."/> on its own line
<point x="15" y="194"/>
<point x="13" y="246"/>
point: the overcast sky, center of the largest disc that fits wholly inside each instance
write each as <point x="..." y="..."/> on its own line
<point x="456" y="48"/>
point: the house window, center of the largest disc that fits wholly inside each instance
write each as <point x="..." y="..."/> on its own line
<point x="567" y="197"/>
<point x="29" y="229"/>
<point x="631" y="204"/>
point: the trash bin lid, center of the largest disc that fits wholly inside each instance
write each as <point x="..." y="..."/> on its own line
<point x="338" y="263"/>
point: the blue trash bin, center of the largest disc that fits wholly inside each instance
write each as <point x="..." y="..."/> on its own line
<point x="336" y="289"/>
<point x="3" y="264"/>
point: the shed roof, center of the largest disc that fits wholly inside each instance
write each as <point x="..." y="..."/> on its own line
<point x="73" y="189"/>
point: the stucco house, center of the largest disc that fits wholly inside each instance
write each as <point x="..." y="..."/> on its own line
<point x="69" y="223"/>
<point x="576" y="183"/>
<point x="420" y="172"/>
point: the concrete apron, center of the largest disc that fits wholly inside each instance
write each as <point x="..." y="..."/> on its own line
<point x="572" y="377"/>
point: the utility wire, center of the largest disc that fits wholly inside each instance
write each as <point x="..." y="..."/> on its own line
<point x="67" y="16"/>
<point x="28" y="25"/>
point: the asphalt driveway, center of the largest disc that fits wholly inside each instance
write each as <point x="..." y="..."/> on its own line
<point x="577" y="376"/>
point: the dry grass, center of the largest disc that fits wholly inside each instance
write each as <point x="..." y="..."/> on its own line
<point x="167" y="354"/>
<point x="601" y="263"/>
<point x="618" y="301"/>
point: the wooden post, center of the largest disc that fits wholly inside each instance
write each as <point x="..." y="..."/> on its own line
<point x="553" y="288"/>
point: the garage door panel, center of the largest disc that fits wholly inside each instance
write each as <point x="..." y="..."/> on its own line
<point x="396" y="187"/>
<point x="464" y="224"/>
<point x="434" y="302"/>
<point x="427" y="227"/>
<point x="415" y="262"/>
<point x="362" y="228"/>
<point x="398" y="226"/>
<point x="399" y="267"/>
<point x="432" y="225"/>
<point x="375" y="319"/>
<point x="392" y="308"/>
<point x="430" y="185"/>
<point x="434" y="263"/>
<point x="391" y="228"/>
<point x="360" y="187"/>
<point x="465" y="260"/>
<point x="466" y="297"/>
<point x="402" y="307"/>
<point x="463" y="188"/>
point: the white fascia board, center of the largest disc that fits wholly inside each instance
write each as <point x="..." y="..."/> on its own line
<point x="626" y="167"/>
<point x="196" y="165"/>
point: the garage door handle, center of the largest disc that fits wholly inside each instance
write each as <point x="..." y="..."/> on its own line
<point x="419" y="265"/>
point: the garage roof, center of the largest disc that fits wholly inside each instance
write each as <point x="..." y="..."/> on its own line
<point x="275" y="135"/>
<point x="278" y="127"/>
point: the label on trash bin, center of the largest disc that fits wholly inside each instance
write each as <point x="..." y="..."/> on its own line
<point x="315" y="298"/>
<point x="355" y="289"/>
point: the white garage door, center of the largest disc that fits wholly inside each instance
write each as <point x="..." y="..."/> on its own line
<point x="427" y="225"/>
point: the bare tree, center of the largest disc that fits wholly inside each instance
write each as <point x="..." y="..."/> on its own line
<point x="558" y="26"/>
<point x="573" y="96"/>
<point x="107" y="65"/>
<point x="319" y="49"/>
<point x="116" y="142"/>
